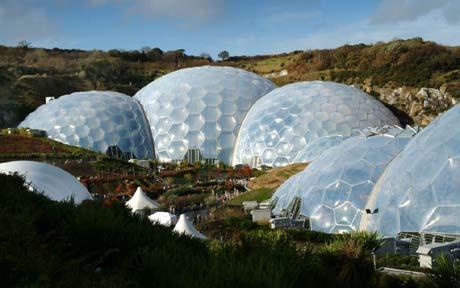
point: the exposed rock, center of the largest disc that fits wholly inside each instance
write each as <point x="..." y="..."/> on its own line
<point x="421" y="105"/>
<point x="276" y="74"/>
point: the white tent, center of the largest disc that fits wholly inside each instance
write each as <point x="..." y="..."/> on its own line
<point x="50" y="180"/>
<point x="140" y="201"/>
<point x="163" y="218"/>
<point x="184" y="226"/>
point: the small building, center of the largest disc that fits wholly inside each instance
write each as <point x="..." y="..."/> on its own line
<point x="428" y="253"/>
<point x="288" y="222"/>
<point x="193" y="156"/>
<point x="48" y="99"/>
<point x="265" y="204"/>
<point x="140" y="162"/>
<point x="248" y="206"/>
<point x="261" y="215"/>
<point x="36" y="132"/>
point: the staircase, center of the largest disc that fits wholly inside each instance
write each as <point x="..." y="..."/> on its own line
<point x="414" y="241"/>
<point x="293" y="209"/>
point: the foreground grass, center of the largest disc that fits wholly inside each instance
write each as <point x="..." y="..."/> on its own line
<point x="50" y="244"/>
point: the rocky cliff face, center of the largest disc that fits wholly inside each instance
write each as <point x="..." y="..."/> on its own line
<point x="421" y="105"/>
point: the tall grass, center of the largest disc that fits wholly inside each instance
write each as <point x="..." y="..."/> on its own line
<point x="52" y="244"/>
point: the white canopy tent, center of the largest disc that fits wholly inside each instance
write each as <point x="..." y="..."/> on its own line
<point x="185" y="227"/>
<point x="140" y="201"/>
<point x="163" y="218"/>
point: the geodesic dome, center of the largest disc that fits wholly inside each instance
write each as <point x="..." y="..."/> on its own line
<point x="317" y="147"/>
<point x="95" y="120"/>
<point x="333" y="190"/>
<point x="200" y="108"/>
<point x="52" y="181"/>
<point x="419" y="191"/>
<point x="289" y="118"/>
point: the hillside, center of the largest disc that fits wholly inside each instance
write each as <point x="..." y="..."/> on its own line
<point x="394" y="72"/>
<point x="262" y="187"/>
<point x="52" y="244"/>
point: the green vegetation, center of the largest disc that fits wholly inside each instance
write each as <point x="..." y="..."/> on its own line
<point x="20" y="144"/>
<point x="446" y="272"/>
<point x="263" y="186"/>
<point x="51" y="244"/>
<point x="258" y="195"/>
<point x="117" y="166"/>
<point x="28" y="75"/>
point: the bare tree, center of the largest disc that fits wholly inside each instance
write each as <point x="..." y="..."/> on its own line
<point x="24" y="44"/>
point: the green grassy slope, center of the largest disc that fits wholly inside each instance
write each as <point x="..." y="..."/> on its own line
<point x="262" y="187"/>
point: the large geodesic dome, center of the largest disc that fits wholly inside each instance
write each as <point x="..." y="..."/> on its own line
<point x="200" y="108"/>
<point x="419" y="191"/>
<point x="289" y="118"/>
<point x="334" y="189"/>
<point x="52" y="181"/>
<point x="95" y="120"/>
<point x="317" y="147"/>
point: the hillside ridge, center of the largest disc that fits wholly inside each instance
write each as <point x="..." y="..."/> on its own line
<point x="396" y="72"/>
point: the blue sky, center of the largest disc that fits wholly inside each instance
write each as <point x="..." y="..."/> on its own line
<point x="243" y="27"/>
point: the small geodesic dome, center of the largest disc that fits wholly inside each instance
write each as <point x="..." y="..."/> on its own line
<point x="288" y="119"/>
<point x="52" y="181"/>
<point x="95" y="120"/>
<point x="200" y="108"/>
<point x="419" y="191"/>
<point x="334" y="189"/>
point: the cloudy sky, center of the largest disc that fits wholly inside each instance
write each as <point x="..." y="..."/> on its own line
<point x="243" y="27"/>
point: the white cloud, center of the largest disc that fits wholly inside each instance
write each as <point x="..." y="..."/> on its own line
<point x="431" y="27"/>
<point x="196" y="10"/>
<point x="394" y="11"/>
<point x="21" y="21"/>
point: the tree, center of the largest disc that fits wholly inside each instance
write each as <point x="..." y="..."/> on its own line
<point x="205" y="55"/>
<point x="24" y="44"/>
<point x="224" y="54"/>
<point x="146" y="49"/>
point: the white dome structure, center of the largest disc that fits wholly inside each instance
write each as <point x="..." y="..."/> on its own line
<point x="200" y="108"/>
<point x="317" y="147"/>
<point x="95" y="120"/>
<point x="52" y="181"/>
<point x="334" y="189"/>
<point x="140" y="201"/>
<point x="185" y="227"/>
<point x="419" y="191"/>
<point x="288" y="119"/>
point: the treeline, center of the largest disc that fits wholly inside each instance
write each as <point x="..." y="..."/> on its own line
<point x="50" y="244"/>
